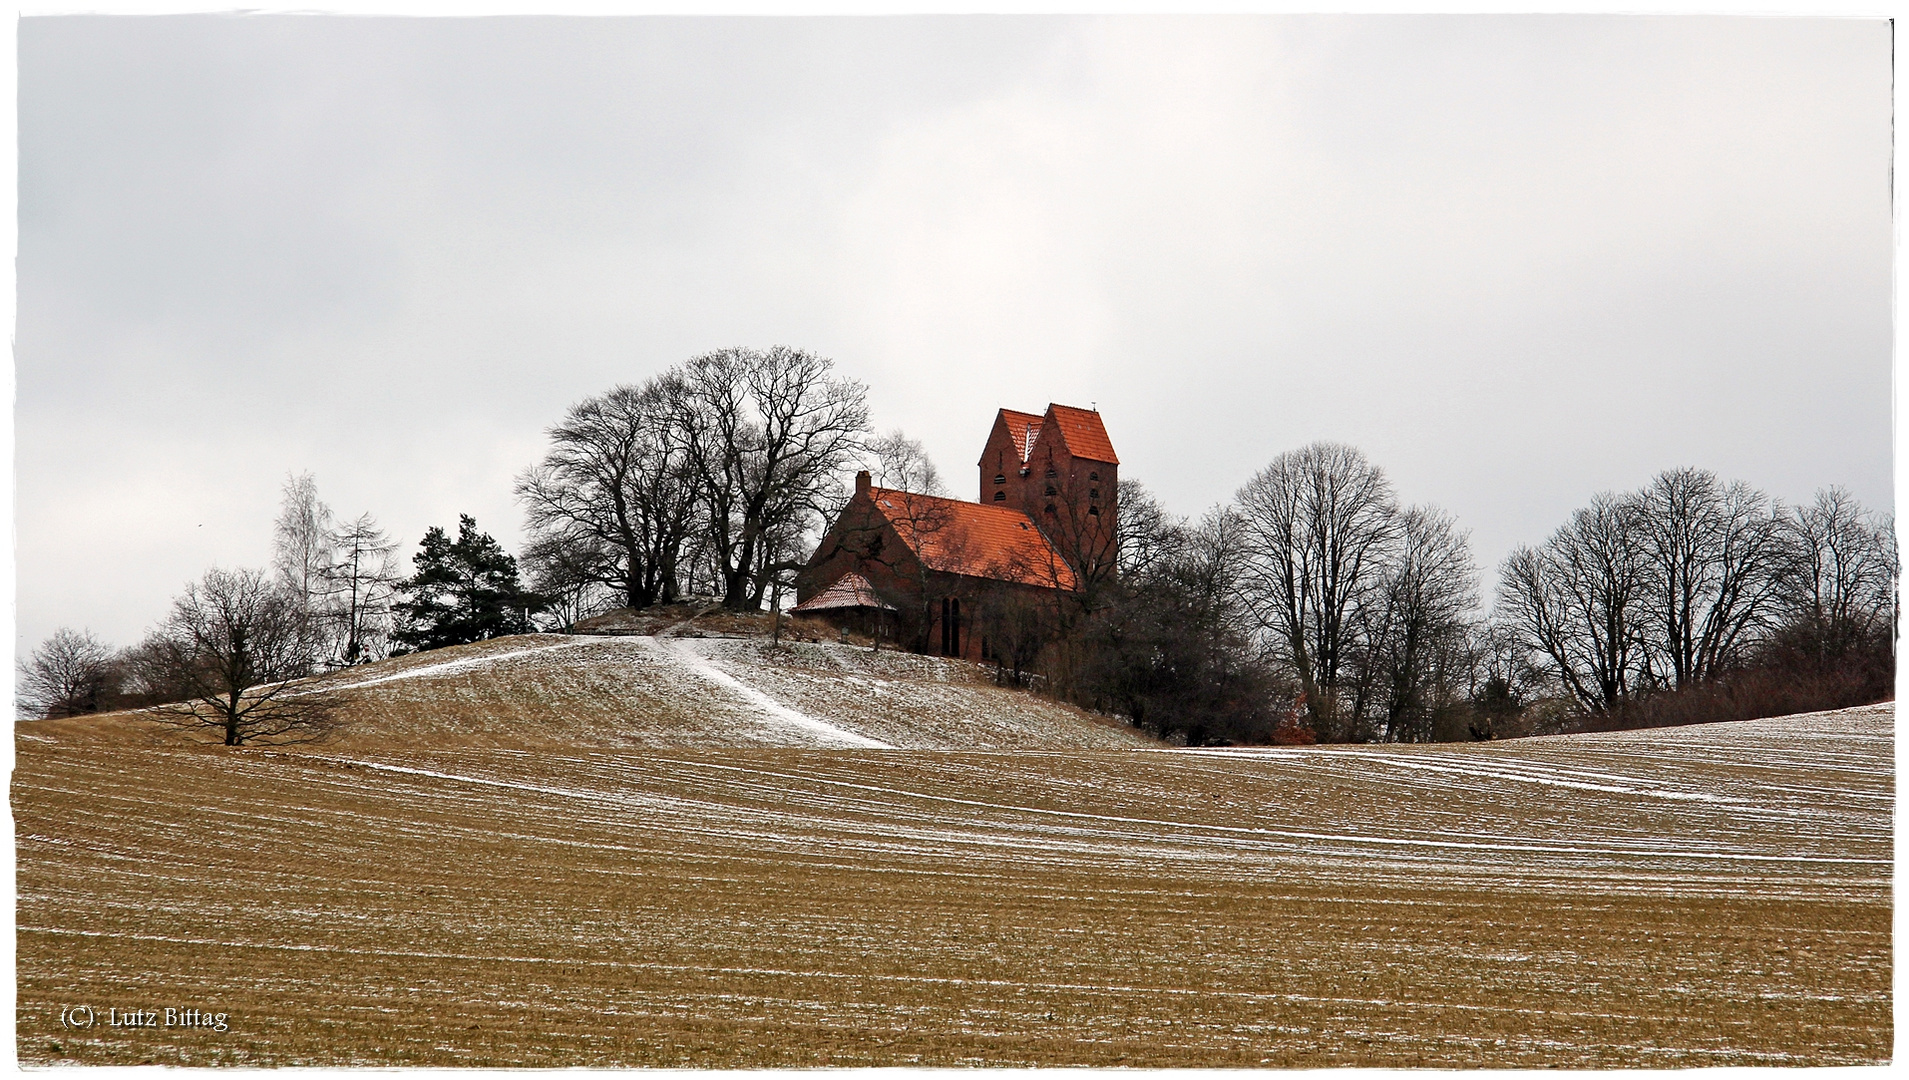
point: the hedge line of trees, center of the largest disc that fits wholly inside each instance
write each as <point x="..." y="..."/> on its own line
<point x="1694" y="600"/>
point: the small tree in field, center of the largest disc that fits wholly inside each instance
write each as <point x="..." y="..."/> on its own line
<point x="235" y="644"/>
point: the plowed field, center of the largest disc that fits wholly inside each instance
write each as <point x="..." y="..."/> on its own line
<point x="1701" y="896"/>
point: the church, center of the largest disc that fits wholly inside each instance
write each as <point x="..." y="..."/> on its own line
<point x="960" y="578"/>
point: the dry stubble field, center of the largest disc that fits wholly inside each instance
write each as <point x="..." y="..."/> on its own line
<point x="1703" y="896"/>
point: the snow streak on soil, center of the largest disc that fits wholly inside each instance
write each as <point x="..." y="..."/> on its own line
<point x="1716" y="895"/>
<point x="711" y="673"/>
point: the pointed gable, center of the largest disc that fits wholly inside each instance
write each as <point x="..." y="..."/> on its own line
<point x="1022" y="430"/>
<point x="1081" y="431"/>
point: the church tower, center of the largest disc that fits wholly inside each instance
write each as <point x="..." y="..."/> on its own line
<point x="1060" y="469"/>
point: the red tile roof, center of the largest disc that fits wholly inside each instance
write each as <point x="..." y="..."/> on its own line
<point x="976" y="539"/>
<point x="851" y="590"/>
<point x="1025" y="428"/>
<point x="1083" y="432"/>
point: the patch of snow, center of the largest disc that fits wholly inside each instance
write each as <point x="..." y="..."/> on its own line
<point x="710" y="672"/>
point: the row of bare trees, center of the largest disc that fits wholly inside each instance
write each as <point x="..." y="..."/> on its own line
<point x="230" y="655"/>
<point x="1315" y="607"/>
<point x="707" y="477"/>
<point x="1692" y="581"/>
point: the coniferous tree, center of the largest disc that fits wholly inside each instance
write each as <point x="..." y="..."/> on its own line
<point x="464" y="590"/>
<point x="360" y="581"/>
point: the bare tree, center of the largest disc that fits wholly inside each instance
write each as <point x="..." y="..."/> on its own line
<point x="1507" y="677"/>
<point x="899" y="463"/>
<point x="782" y="553"/>
<point x="1316" y="528"/>
<point x="360" y="583"/>
<point x="764" y="435"/>
<point x="612" y="500"/>
<point x="1148" y="534"/>
<point x="1715" y="556"/>
<point x="1578" y="600"/>
<point x="564" y="571"/>
<point x="234" y="643"/>
<point x="1844" y="573"/>
<point x="1419" y="654"/>
<point x="301" y="559"/>
<point x="70" y="674"/>
<point x="1085" y="537"/>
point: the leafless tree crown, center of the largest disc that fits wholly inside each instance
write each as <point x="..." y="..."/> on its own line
<point x="716" y="471"/>
<point x="69" y="674"/>
<point x="234" y="645"/>
<point x="899" y="463"/>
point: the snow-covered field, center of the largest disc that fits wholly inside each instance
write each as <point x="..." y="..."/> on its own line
<point x="1695" y="896"/>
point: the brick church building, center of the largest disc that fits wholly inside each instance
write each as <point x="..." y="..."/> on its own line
<point x="957" y="578"/>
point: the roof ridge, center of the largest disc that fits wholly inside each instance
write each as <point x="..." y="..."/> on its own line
<point x="876" y="493"/>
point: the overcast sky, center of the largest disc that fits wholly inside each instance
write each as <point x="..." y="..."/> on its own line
<point x="1516" y="260"/>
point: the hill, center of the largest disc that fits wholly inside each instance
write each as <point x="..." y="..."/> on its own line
<point x="675" y="688"/>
